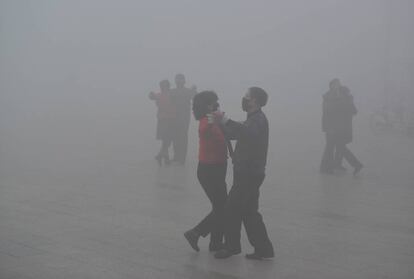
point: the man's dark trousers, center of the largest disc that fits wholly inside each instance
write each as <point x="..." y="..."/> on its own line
<point x="180" y="141"/>
<point x="335" y="151"/>
<point x="328" y="160"/>
<point x="342" y="152"/>
<point x="242" y="207"/>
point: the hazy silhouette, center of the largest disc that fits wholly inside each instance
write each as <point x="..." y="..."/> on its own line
<point x="182" y="98"/>
<point x="211" y="170"/>
<point x="166" y="116"/>
<point x="249" y="162"/>
<point x="338" y="109"/>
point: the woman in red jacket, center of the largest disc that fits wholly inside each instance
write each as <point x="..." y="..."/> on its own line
<point x="211" y="170"/>
<point x="165" y="120"/>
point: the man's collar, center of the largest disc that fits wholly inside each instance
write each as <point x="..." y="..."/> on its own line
<point x="253" y="112"/>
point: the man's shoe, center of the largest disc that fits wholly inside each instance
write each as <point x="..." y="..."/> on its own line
<point x="224" y="254"/>
<point x="358" y="169"/>
<point x="192" y="238"/>
<point x="259" y="257"/>
<point x="215" y="247"/>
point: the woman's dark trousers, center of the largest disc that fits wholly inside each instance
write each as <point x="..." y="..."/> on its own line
<point x="212" y="178"/>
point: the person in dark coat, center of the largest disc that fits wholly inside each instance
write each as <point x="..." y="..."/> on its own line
<point x="165" y="120"/>
<point x="182" y="97"/>
<point x="338" y="110"/>
<point x="249" y="162"/>
<point x="211" y="171"/>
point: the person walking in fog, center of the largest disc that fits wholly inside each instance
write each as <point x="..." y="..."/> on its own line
<point x="165" y="120"/>
<point x="182" y="97"/>
<point x="211" y="170"/>
<point x="338" y="109"/>
<point x="249" y="162"/>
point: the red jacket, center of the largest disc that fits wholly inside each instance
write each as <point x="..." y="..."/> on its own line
<point x="212" y="144"/>
<point x="166" y="108"/>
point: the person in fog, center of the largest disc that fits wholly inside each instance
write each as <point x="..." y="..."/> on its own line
<point x="249" y="162"/>
<point x="182" y="99"/>
<point x="165" y="120"/>
<point x="338" y="109"/>
<point x="211" y="170"/>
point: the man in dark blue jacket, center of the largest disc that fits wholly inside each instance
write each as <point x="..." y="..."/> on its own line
<point x="181" y="97"/>
<point x="249" y="162"/>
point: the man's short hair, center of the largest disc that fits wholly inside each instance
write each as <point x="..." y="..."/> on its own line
<point x="180" y="77"/>
<point x="259" y="95"/>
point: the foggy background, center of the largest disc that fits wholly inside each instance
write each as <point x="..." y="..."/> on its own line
<point x="75" y="75"/>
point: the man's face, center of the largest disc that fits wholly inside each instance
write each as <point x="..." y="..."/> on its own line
<point x="180" y="81"/>
<point x="248" y="102"/>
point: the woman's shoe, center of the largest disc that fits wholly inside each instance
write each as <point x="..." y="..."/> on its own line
<point x="192" y="238"/>
<point x="358" y="169"/>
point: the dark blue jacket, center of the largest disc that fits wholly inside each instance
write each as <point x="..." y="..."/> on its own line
<point x="250" y="153"/>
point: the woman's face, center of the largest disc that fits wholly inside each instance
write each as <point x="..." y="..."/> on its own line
<point x="213" y="107"/>
<point x="165" y="87"/>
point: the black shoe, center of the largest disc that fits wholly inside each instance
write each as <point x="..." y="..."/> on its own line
<point x="215" y="247"/>
<point x="258" y="257"/>
<point x="358" y="169"/>
<point x="261" y="255"/>
<point x="224" y="254"/>
<point x="192" y="238"/>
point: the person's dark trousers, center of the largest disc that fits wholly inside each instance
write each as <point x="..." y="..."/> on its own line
<point x="212" y="178"/>
<point x="180" y="142"/>
<point x="242" y="207"/>
<point x="342" y="152"/>
<point x="328" y="161"/>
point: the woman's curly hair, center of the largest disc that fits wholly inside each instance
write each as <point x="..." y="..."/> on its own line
<point x="201" y="101"/>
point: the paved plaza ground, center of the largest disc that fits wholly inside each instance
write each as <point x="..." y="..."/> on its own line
<point x="117" y="215"/>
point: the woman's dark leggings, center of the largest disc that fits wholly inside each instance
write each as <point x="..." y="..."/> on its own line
<point x="212" y="178"/>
